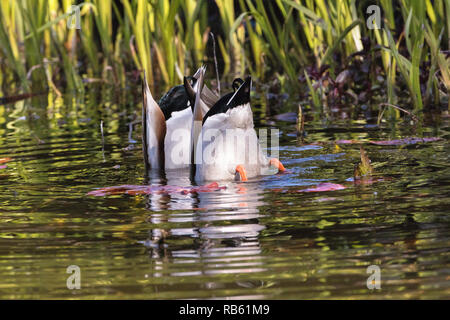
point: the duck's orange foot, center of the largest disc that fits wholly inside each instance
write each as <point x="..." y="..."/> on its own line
<point x="241" y="174"/>
<point x="277" y="164"/>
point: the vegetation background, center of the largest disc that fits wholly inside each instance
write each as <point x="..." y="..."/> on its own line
<point x="321" y="52"/>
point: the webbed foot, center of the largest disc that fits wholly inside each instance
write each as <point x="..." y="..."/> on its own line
<point x="277" y="164"/>
<point x="241" y="174"/>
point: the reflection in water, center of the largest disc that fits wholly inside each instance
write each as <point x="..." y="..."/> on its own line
<point x="230" y="245"/>
<point x="260" y="239"/>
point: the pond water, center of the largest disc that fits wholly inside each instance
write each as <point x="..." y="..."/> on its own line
<point x="261" y="240"/>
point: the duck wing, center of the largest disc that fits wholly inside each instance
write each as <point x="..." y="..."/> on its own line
<point x="209" y="97"/>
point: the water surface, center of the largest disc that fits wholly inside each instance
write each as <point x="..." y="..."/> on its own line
<point x="261" y="240"/>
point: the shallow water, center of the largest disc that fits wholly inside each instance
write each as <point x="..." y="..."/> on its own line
<point x="261" y="239"/>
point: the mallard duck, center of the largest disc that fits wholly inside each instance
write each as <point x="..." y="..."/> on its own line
<point x="228" y="147"/>
<point x="167" y="124"/>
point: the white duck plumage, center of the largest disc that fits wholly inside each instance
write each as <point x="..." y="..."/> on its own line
<point x="228" y="147"/>
<point x="166" y="132"/>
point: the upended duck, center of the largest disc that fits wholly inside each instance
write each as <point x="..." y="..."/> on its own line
<point x="215" y="137"/>
<point x="167" y="124"/>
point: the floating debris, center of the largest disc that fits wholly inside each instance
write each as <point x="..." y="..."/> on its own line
<point x="405" y="141"/>
<point x="325" y="186"/>
<point x="287" y="117"/>
<point x="347" y="142"/>
<point x="397" y="142"/>
<point x="5" y="160"/>
<point x="136" y="189"/>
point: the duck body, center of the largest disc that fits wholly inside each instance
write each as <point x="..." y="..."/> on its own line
<point x="229" y="140"/>
<point x="177" y="140"/>
<point x="167" y="124"/>
<point x="192" y="128"/>
<point x="229" y="147"/>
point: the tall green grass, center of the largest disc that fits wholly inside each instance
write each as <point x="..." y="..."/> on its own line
<point x="269" y="39"/>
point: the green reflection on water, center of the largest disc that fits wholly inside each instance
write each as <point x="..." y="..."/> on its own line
<point x="262" y="241"/>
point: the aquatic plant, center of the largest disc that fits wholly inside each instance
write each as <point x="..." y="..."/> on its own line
<point x="282" y="40"/>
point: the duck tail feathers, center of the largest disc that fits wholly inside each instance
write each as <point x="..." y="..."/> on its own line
<point x="153" y="129"/>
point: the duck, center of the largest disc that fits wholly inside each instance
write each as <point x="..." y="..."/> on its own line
<point x="227" y="147"/>
<point x="166" y="124"/>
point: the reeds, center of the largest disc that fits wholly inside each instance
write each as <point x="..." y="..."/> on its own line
<point x="291" y="39"/>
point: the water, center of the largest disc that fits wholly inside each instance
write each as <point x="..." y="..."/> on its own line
<point x="261" y="240"/>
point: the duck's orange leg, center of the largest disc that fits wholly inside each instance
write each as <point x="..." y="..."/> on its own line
<point x="277" y="164"/>
<point x="242" y="173"/>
